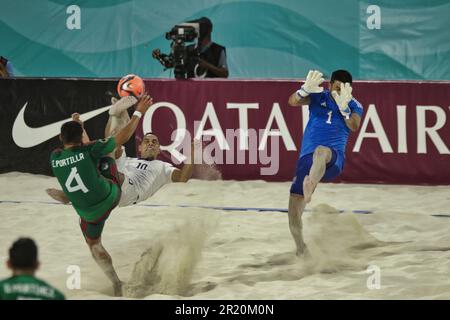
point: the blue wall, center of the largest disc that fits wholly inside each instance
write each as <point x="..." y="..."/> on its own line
<point x="264" y="39"/>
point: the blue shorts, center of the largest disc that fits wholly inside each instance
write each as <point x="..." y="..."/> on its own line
<point x="304" y="164"/>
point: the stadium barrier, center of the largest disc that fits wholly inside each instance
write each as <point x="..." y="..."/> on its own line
<point x="252" y="132"/>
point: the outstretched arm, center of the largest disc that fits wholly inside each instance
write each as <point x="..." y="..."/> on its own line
<point x="354" y="122"/>
<point x="312" y="85"/>
<point x="295" y="100"/>
<point x="343" y="98"/>
<point x="185" y="173"/>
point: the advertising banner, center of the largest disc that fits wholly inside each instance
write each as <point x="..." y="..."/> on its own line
<point x="33" y="110"/>
<point x="404" y="135"/>
<point x="247" y="128"/>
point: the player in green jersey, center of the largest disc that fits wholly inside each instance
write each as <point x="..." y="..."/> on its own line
<point x="93" y="194"/>
<point x="23" y="285"/>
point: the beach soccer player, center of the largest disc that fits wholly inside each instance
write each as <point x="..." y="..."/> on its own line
<point x="333" y="114"/>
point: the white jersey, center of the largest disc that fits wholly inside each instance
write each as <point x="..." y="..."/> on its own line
<point x="142" y="178"/>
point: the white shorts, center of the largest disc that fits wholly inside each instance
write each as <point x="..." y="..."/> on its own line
<point x="129" y="194"/>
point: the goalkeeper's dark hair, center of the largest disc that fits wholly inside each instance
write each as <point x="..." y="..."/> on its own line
<point x="71" y="132"/>
<point x="342" y="76"/>
<point x="23" y="254"/>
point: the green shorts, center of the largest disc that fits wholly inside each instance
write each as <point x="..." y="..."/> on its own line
<point x="93" y="229"/>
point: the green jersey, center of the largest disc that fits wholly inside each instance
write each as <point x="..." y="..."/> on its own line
<point x="27" y="287"/>
<point x="77" y="171"/>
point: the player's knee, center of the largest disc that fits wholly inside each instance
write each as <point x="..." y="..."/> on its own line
<point x="97" y="249"/>
<point x="296" y="201"/>
<point x="295" y="197"/>
<point x="92" y="242"/>
<point x="322" y="152"/>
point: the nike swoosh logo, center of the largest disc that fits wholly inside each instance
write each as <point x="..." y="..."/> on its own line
<point x="27" y="137"/>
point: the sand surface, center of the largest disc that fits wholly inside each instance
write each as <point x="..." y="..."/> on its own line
<point x="170" y="252"/>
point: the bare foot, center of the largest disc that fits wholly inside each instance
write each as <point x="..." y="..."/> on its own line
<point x="308" y="189"/>
<point x="58" y="195"/>
<point x="121" y="105"/>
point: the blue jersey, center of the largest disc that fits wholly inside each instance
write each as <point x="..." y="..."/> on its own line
<point x="326" y="126"/>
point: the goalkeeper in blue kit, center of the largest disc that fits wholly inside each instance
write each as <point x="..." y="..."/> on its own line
<point x="333" y="114"/>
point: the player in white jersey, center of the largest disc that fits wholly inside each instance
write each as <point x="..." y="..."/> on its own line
<point x="145" y="175"/>
<point x="140" y="177"/>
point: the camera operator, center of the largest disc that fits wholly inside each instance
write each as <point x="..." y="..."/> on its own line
<point x="212" y="56"/>
<point x="206" y="59"/>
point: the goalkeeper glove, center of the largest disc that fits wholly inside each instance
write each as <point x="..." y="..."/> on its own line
<point x="343" y="98"/>
<point x="313" y="80"/>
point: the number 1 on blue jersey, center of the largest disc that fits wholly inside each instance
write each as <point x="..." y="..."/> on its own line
<point x="329" y="117"/>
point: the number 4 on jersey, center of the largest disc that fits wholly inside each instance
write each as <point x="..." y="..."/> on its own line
<point x="79" y="183"/>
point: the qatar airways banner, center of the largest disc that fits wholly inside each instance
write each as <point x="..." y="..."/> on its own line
<point x="247" y="128"/>
<point x="250" y="132"/>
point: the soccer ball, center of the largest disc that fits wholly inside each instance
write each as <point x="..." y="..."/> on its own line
<point x="131" y="85"/>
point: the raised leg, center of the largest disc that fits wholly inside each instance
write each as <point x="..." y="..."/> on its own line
<point x="118" y="115"/>
<point x="321" y="156"/>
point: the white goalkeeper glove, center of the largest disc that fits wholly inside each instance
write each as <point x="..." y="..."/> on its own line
<point x="121" y="105"/>
<point x="313" y="80"/>
<point x="343" y="98"/>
